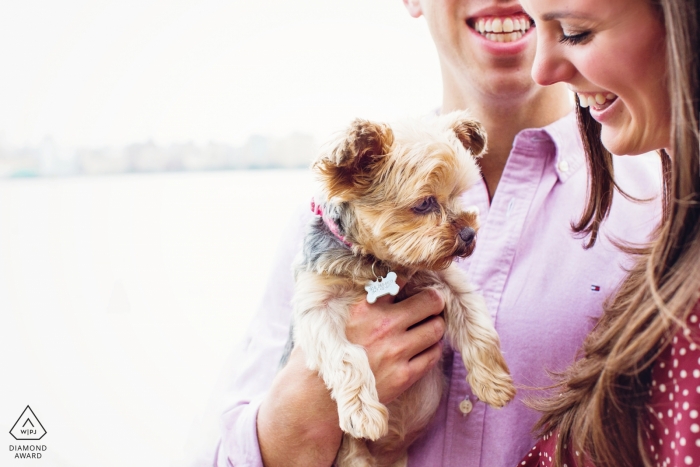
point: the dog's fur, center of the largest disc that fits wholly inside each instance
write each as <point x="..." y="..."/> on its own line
<point x="372" y="179"/>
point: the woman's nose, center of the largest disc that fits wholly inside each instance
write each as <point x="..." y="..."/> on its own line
<point x="550" y="66"/>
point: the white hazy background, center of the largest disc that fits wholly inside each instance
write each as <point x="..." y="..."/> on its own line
<point x="97" y="72"/>
<point x="121" y="297"/>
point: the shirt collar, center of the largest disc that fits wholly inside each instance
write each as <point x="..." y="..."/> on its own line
<point x="563" y="138"/>
<point x="564" y="134"/>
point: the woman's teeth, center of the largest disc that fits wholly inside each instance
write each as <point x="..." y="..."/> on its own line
<point x="595" y="100"/>
<point x="503" y="29"/>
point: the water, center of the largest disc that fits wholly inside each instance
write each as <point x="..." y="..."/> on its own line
<point x="121" y="298"/>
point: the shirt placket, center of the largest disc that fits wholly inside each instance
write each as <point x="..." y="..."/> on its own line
<point x="488" y="268"/>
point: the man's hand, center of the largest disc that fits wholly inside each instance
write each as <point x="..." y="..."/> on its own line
<point x="298" y="421"/>
<point x="403" y="340"/>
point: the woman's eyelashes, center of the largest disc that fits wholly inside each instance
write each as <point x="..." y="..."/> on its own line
<point x="574" y="39"/>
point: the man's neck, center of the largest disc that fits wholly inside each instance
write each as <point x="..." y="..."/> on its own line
<point x="503" y="118"/>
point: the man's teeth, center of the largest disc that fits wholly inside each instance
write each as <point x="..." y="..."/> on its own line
<point x="505" y="29"/>
<point x="589" y="100"/>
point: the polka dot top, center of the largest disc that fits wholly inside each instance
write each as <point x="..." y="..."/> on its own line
<point x="673" y="430"/>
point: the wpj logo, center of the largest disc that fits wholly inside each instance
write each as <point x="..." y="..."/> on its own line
<point x="28" y="427"/>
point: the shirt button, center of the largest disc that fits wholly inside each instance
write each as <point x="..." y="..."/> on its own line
<point x="466" y="406"/>
<point x="563" y="166"/>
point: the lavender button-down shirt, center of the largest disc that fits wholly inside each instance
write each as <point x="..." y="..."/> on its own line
<point x="542" y="288"/>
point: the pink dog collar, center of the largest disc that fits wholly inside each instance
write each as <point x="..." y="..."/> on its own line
<point x="330" y="223"/>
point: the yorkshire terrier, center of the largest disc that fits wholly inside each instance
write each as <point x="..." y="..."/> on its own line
<point x="389" y="203"/>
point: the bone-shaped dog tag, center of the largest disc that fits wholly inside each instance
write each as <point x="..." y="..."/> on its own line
<point x="382" y="286"/>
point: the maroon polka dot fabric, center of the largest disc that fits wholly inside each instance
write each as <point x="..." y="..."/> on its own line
<point x="673" y="429"/>
<point x="542" y="454"/>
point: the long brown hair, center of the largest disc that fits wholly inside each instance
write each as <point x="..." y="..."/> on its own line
<point x="598" y="407"/>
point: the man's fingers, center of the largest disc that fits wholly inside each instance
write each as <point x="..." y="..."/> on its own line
<point x="418" y="307"/>
<point x="401" y="281"/>
<point x="420" y="364"/>
<point x="425" y="335"/>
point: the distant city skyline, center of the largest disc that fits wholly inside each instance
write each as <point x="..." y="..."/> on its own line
<point x="47" y="158"/>
<point x="95" y="73"/>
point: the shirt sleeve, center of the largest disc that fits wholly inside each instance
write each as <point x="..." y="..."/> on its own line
<point x="257" y="360"/>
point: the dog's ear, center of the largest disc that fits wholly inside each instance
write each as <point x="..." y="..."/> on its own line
<point x="346" y="169"/>
<point x="471" y="134"/>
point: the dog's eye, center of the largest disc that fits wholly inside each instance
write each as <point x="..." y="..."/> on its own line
<point x="426" y="206"/>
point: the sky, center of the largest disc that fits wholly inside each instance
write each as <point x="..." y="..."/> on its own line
<point x="92" y="73"/>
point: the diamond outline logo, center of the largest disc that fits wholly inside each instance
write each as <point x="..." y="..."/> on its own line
<point x="29" y="416"/>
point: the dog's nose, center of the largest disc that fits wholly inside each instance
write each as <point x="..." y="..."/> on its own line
<point x="467" y="235"/>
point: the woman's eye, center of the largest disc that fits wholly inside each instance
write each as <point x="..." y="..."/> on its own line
<point x="574" y="39"/>
<point x="428" y="204"/>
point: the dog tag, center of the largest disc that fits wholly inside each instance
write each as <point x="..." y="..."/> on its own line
<point x="382" y="286"/>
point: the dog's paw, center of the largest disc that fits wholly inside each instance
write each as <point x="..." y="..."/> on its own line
<point x="362" y="420"/>
<point x="493" y="387"/>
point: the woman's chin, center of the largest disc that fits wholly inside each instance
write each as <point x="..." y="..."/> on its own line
<point x="633" y="143"/>
<point x="619" y="145"/>
<point x="610" y="140"/>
